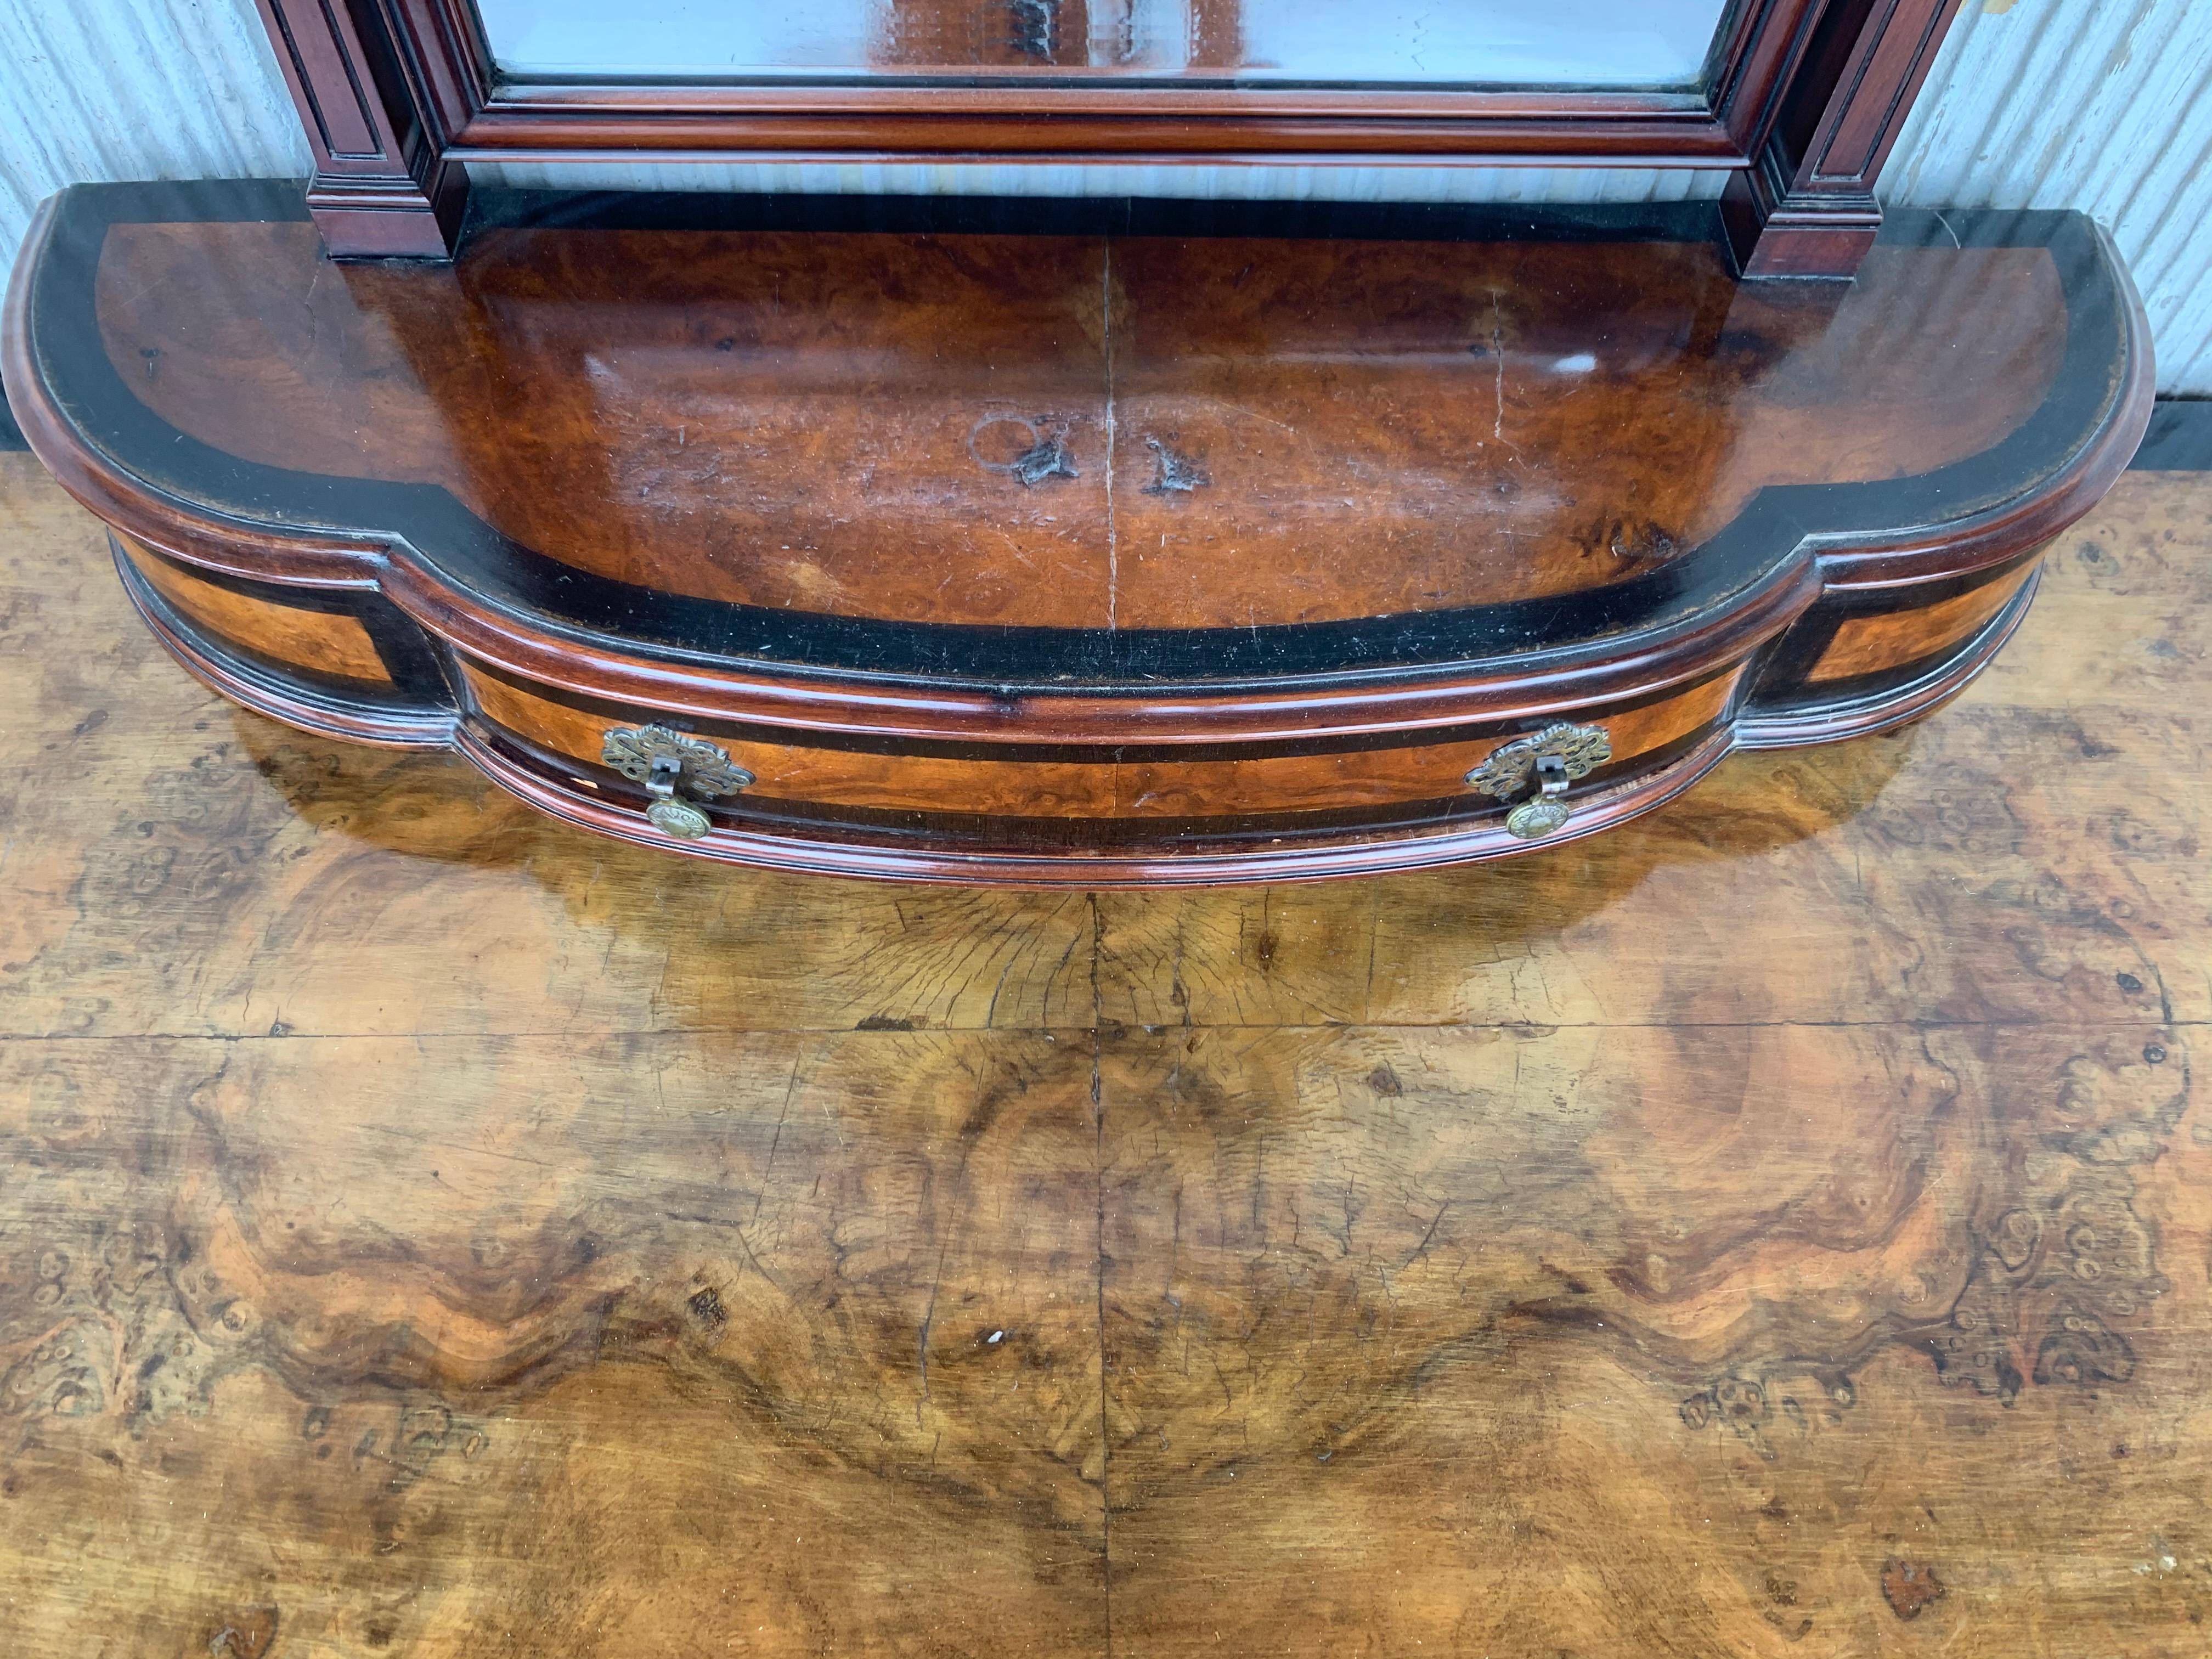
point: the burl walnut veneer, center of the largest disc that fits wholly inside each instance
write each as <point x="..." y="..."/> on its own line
<point x="1094" y="543"/>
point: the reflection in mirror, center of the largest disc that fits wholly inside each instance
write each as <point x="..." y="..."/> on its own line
<point x="1609" y="43"/>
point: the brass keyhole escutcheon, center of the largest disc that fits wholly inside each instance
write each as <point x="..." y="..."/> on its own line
<point x="677" y="770"/>
<point x="1550" y="759"/>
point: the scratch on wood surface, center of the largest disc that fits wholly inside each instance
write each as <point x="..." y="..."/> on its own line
<point x="1113" y="546"/>
<point x="1498" y="357"/>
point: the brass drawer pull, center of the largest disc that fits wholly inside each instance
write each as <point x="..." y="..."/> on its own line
<point x="1553" y="758"/>
<point x="670" y="765"/>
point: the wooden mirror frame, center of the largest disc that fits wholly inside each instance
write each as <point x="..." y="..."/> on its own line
<point x="1805" y="98"/>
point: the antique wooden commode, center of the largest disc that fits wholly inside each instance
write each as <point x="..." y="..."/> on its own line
<point x="1079" y="541"/>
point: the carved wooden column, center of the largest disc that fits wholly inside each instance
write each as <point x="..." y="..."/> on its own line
<point x="1806" y="206"/>
<point x="381" y="187"/>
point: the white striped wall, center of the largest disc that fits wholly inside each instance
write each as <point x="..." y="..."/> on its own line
<point x="2102" y="105"/>
<point x="104" y="89"/>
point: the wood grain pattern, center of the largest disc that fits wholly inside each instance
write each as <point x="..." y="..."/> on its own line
<point x="382" y="187"/>
<point x="324" y="641"/>
<point x="1103" y="785"/>
<point x="1775" y="1228"/>
<point x="907" y="481"/>
<point x="1868" y="644"/>
<point x="1383" y="427"/>
<point x="1811" y="94"/>
<point x="1805" y="206"/>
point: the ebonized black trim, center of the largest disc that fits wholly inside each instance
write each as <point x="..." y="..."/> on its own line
<point x="1747" y="556"/>
<point x="1778" y="697"/>
<point x="1883" y="701"/>
<point x="329" y="704"/>
<point x="1103" y="216"/>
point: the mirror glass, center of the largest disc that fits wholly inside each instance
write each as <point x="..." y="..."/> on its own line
<point x="1657" y="44"/>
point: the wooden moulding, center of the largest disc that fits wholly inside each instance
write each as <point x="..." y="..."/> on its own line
<point x="1086" y="544"/>
<point x="1802" y="99"/>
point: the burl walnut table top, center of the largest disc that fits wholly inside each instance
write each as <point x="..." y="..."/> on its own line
<point x="1777" y="1227"/>
<point x="1042" y="444"/>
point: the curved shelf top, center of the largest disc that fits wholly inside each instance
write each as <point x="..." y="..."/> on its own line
<point x="1095" y="446"/>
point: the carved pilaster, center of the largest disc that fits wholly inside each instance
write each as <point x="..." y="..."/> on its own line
<point x="381" y="189"/>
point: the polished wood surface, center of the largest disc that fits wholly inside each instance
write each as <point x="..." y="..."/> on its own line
<point x="1088" y="432"/>
<point x="1169" y="448"/>
<point x="320" y="641"/>
<point x="1150" y="787"/>
<point x="1775" y="1228"/>
<point x="1801" y="98"/>
<point x="1805" y="206"/>
<point x="1888" y="639"/>
<point x="1098" y="545"/>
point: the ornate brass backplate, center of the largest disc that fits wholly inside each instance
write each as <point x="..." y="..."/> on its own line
<point x="1551" y="759"/>
<point x="671" y="764"/>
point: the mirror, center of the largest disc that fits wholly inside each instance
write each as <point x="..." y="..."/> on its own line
<point x="1325" y="44"/>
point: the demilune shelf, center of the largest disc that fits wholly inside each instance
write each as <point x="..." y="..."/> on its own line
<point x="1092" y="543"/>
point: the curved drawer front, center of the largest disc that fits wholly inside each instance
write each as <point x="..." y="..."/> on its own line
<point x="304" y="632"/>
<point x="983" y="780"/>
<point x="1860" y="660"/>
<point x="342" y="660"/>
<point x="1867" y="645"/>
<point x="345" y="661"/>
